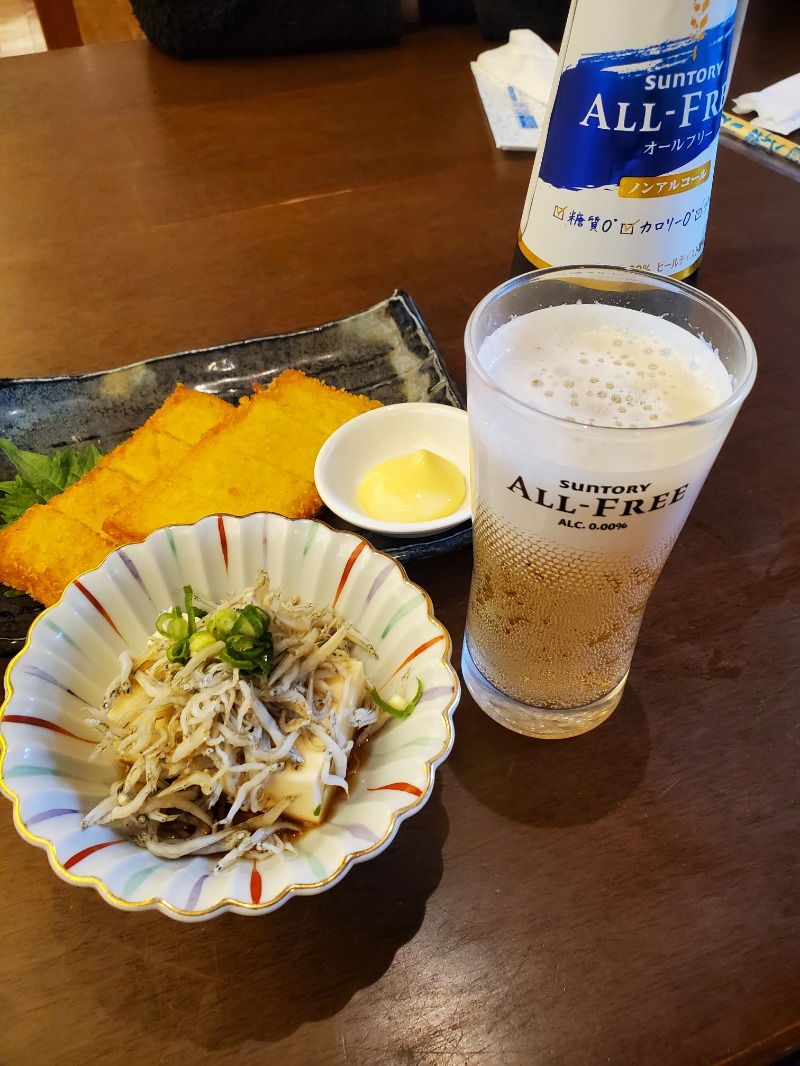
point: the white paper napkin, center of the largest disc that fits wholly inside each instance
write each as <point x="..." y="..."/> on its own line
<point x="514" y="83"/>
<point x="778" y="106"/>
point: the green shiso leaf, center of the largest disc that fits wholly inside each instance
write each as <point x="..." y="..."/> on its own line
<point x="40" y="477"/>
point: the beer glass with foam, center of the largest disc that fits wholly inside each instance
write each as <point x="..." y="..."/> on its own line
<point x="598" y="399"/>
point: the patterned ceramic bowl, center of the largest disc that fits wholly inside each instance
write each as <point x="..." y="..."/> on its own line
<point x="72" y="653"/>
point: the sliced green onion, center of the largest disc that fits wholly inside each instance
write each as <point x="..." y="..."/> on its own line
<point x="243" y="647"/>
<point x="172" y="624"/>
<point x="252" y="621"/>
<point x="221" y="622"/>
<point x="200" y="639"/>
<point x="394" y="711"/>
<point x="234" y="660"/>
<point x="188" y="598"/>
<point x="178" y="652"/>
<point x="258" y="667"/>
<point x="249" y="646"/>
<point x="244" y="632"/>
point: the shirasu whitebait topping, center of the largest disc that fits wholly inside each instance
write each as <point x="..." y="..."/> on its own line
<point x="217" y="759"/>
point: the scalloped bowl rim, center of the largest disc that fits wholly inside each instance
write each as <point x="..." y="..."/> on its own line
<point x="301" y="887"/>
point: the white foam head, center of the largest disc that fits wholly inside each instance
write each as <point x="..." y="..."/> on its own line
<point x="606" y="366"/>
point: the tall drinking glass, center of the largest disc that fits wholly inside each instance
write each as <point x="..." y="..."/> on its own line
<point x="598" y="399"/>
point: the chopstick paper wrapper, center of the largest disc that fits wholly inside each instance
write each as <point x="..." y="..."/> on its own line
<point x="514" y="82"/>
<point x="763" y="139"/>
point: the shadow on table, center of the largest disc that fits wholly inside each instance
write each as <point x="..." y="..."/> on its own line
<point x="553" y="782"/>
<point x="238" y="980"/>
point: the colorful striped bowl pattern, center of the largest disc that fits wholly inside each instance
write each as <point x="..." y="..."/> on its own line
<point x="72" y="652"/>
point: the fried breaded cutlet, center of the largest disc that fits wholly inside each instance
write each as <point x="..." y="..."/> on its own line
<point x="184" y="498"/>
<point x="45" y="549"/>
<point x="260" y="460"/>
<point x="160" y="444"/>
<point x="91" y="498"/>
<point x="196" y="455"/>
<point x="187" y="414"/>
<point x="52" y="543"/>
<point x="168" y="434"/>
<point x="313" y="403"/>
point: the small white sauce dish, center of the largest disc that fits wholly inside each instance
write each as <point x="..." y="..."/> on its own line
<point x="386" y="433"/>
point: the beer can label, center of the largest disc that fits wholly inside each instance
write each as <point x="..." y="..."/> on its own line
<point x="625" y="171"/>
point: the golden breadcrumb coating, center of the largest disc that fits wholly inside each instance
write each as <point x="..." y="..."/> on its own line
<point x="44" y="550"/>
<point x="52" y="543"/>
<point x="260" y="459"/>
<point x="168" y="434"/>
<point x="189" y="494"/>
<point x="95" y="494"/>
<point x="196" y="455"/>
<point x="187" y="414"/>
<point x="319" y="404"/>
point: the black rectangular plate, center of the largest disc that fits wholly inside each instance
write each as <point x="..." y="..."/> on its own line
<point x="385" y="352"/>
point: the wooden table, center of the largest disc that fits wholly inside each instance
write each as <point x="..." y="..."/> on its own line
<point x="629" y="897"/>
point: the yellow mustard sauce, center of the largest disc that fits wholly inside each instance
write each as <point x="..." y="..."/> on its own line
<point x="417" y="487"/>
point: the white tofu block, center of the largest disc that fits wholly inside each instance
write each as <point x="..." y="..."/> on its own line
<point x="311" y="797"/>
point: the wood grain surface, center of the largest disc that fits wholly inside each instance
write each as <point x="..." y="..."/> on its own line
<point x="628" y="897"/>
